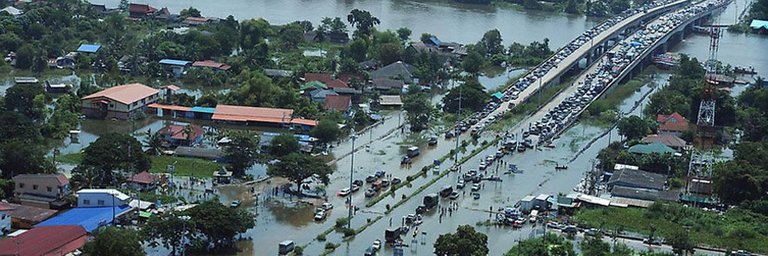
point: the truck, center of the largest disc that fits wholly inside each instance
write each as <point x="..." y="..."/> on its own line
<point x="431" y="200"/>
<point x="413" y="151"/>
<point x="391" y="235"/>
<point x="286" y="247"/>
<point x="446" y="191"/>
<point x="534" y="216"/>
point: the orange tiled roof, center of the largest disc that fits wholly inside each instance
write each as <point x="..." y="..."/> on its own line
<point x="126" y="94"/>
<point x="673" y="122"/>
<point x="256" y="114"/>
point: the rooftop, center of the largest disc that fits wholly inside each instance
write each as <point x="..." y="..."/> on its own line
<point x="28" y="213"/>
<point x="211" y="64"/>
<point x="339" y="103"/>
<point x="637" y="178"/>
<point x="126" y="94"/>
<point x="89" y="48"/>
<point x="397" y="70"/>
<point x="277" y="72"/>
<point x="252" y="114"/>
<point x="178" y="131"/>
<point x="173" y="62"/>
<point x="390" y="100"/>
<point x="673" y="122"/>
<point x="143" y="178"/>
<point x="90" y="218"/>
<point x="758" y="24"/>
<point x="59" y="178"/>
<point x="116" y="193"/>
<point x="207" y="153"/>
<point x="58" y="240"/>
<point x="654" y="147"/>
<point x="667" y="140"/>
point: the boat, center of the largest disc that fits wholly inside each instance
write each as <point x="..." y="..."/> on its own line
<point x="701" y="30"/>
<point x="559" y="167"/>
<point x="550" y="145"/>
<point x="744" y="70"/>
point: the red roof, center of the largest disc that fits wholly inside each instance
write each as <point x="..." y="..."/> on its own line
<point x="325" y="79"/>
<point x="169" y="107"/>
<point x="211" y="64"/>
<point x="255" y="114"/>
<point x="177" y="131"/>
<point x="674" y="122"/>
<point x="197" y="19"/>
<point x="60" y="178"/>
<point x="303" y="121"/>
<point x="27" y="213"/>
<point x="172" y="87"/>
<point x="126" y="94"/>
<point x="143" y="178"/>
<point x="347" y="78"/>
<point x="141" y="8"/>
<point x="49" y="240"/>
<point x="339" y="103"/>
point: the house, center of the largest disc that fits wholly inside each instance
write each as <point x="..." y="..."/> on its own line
<point x="120" y="102"/>
<point x="341" y="103"/>
<point x="165" y="15"/>
<point x="258" y="116"/>
<point x="101" y="198"/>
<point x="89" y="48"/>
<point x="386" y="84"/>
<point x="13" y="11"/>
<point x="212" y="65"/>
<point x="320" y="95"/>
<point x="222" y="176"/>
<point x="700" y="186"/>
<point x="53" y="240"/>
<point x="196" y="21"/>
<point x="637" y="179"/>
<point x="644" y="194"/>
<point x="41" y="190"/>
<point x="668" y="140"/>
<point x="177" y="67"/>
<point x="204" y="153"/>
<point x="398" y="71"/>
<point x="655" y="147"/>
<point x="143" y="181"/>
<point x="25" y="217"/>
<point x="674" y="124"/>
<point x="166" y="92"/>
<point x="182" y="135"/>
<point x="53" y="87"/>
<point x="390" y="101"/>
<point x="759" y="25"/>
<point x="369" y="65"/>
<point x="326" y="79"/>
<point x="90" y="218"/>
<point x="140" y="11"/>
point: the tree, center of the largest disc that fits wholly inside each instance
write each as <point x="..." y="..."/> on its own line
<point x="253" y="32"/>
<point x="357" y="50"/>
<point x="124" y="4"/>
<point x="297" y="167"/>
<point x="571" y="6"/>
<point x="154" y="143"/>
<point x="491" y="43"/>
<point x="680" y="241"/>
<point x="471" y="94"/>
<point x="20" y="156"/>
<point x="113" y="152"/>
<point x="472" y="62"/>
<point x="404" y="34"/>
<point x="242" y="151"/>
<point x="291" y="35"/>
<point x="420" y="110"/>
<point x="633" y="127"/>
<point x="466" y="241"/>
<point x="115" y="241"/>
<point x="549" y="244"/>
<point x="594" y="246"/>
<point x="735" y="182"/>
<point x="218" y="224"/>
<point x="24" y="56"/>
<point x="166" y="229"/>
<point x="363" y="21"/>
<point x="21" y="99"/>
<point x="326" y="131"/>
<point x="284" y="144"/>
<point x="189" y="12"/>
<point x="390" y="53"/>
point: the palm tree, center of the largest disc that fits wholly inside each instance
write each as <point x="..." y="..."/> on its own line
<point x="188" y="131"/>
<point x="154" y="143"/>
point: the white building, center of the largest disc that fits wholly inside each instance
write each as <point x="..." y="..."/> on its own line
<point x="101" y="198"/>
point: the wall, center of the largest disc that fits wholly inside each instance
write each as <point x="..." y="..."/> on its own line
<point x="39" y="186"/>
<point x="94" y="198"/>
<point x="5" y="223"/>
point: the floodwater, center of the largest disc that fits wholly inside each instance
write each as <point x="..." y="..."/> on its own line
<point x="450" y="21"/>
<point x="493" y="81"/>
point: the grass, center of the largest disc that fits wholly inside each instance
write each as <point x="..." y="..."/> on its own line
<point x="184" y="166"/>
<point x="615" y="97"/>
<point x="736" y="229"/>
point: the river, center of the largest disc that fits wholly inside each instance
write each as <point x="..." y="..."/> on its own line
<point x="463" y="23"/>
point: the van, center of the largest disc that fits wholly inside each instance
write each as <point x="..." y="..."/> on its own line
<point x="286" y="247"/>
<point x="570" y="230"/>
<point x="514" y="95"/>
<point x="413" y="151"/>
<point x="430" y="200"/>
<point x="534" y="216"/>
<point x="391" y="235"/>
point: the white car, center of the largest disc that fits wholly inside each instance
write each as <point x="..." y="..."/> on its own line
<point x="345" y="192"/>
<point x="320" y="215"/>
<point x="376" y="244"/>
<point x="327" y="206"/>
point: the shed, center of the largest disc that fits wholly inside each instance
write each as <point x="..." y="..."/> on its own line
<point x="204" y="113"/>
<point x="23" y="216"/>
<point x="637" y="179"/>
<point x="390" y="100"/>
<point x="668" y="140"/>
<point x="498" y="96"/>
<point x="89" y="48"/>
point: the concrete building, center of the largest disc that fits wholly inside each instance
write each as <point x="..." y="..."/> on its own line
<point x="41" y="190"/>
<point x="119" y="102"/>
<point x="101" y="198"/>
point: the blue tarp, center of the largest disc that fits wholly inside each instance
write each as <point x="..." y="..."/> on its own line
<point x="434" y="40"/>
<point x="175" y="62"/>
<point x="90" y="218"/>
<point x="206" y="110"/>
<point x="89" y="48"/>
<point x="498" y="95"/>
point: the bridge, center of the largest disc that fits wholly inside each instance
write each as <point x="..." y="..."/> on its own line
<point x="587" y="52"/>
<point x="692" y="15"/>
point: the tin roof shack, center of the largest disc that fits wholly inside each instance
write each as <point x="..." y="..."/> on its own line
<point x="54" y="87"/>
<point x="541" y="202"/>
<point x="143" y="181"/>
<point x="398" y="71"/>
<point x="181" y="135"/>
<point x="41" y="190"/>
<point x="90" y="218"/>
<point x="176" y="67"/>
<point x="53" y="240"/>
<point x="120" y="102"/>
<point x="25" y="217"/>
<point x="527" y="203"/>
<point x="637" y="184"/>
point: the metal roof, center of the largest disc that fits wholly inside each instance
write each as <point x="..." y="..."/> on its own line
<point x="174" y="62"/>
<point x="207" y="110"/>
<point x="89" y="48"/>
<point x="90" y="218"/>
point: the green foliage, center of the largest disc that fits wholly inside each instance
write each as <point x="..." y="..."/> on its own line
<point x="114" y="152"/>
<point x="284" y="144"/>
<point x="753" y="113"/>
<point x="24" y="56"/>
<point x="218" y="224"/>
<point x="185" y="166"/>
<point x="471" y="94"/>
<point x="189" y="12"/>
<point x="403" y="33"/>
<point x="297" y="167"/>
<point x="491" y="43"/>
<point x="326" y="131"/>
<point x="242" y="151"/>
<point x="633" y="127"/>
<point x="466" y="241"/>
<point x="547" y="245"/>
<point x="759" y="10"/>
<point x="25" y="99"/>
<point x="363" y="21"/>
<point x="115" y="241"/>
<point x="473" y="62"/>
<point x="167" y="230"/>
<point x="420" y="110"/>
<point x="594" y="246"/>
<point x="530" y="55"/>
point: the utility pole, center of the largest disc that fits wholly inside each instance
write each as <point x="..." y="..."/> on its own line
<point x="458" y="136"/>
<point x="351" y="173"/>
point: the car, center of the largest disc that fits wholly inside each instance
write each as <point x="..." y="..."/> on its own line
<point x="385" y="183"/>
<point x="379" y="174"/>
<point x="376" y="244"/>
<point x="370" y="251"/>
<point x="421" y="209"/>
<point x="370" y="179"/>
<point x="449" y="135"/>
<point x="570" y="229"/>
<point x="591" y="232"/>
<point x="653" y="241"/>
<point x="460" y="184"/>
<point x="344" y="192"/>
<point x="477" y="196"/>
<point x="357" y="182"/>
<point x="432" y="141"/>
<point x="553" y="225"/>
<point x="320" y="215"/>
<point x="475" y="187"/>
<point x="355" y="188"/>
<point x="453" y="195"/>
<point x="370" y="192"/>
<point x="235" y="204"/>
<point x="396" y="181"/>
<point x="482" y="166"/>
<point x="327" y="206"/>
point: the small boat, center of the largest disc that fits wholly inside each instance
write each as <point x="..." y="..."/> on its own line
<point x="563" y="167"/>
<point x="744" y="70"/>
<point x="550" y="145"/>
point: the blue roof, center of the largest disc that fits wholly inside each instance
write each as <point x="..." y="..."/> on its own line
<point x="203" y="110"/>
<point x="756" y="24"/>
<point x="90" y="218"/>
<point x="498" y="95"/>
<point x="434" y="40"/>
<point x="175" y="62"/>
<point x="89" y="48"/>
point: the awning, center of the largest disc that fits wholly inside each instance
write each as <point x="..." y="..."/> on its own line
<point x="143" y="214"/>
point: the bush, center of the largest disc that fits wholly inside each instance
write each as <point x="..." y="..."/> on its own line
<point x="320" y="237"/>
<point x="330" y="246"/>
<point x="298" y="250"/>
<point x="349" y="232"/>
<point x="342" y="222"/>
